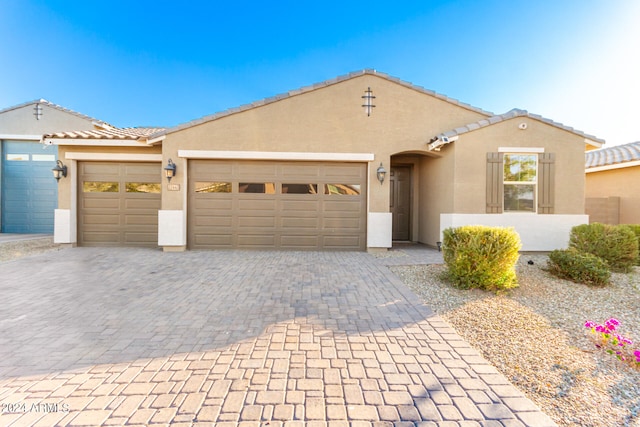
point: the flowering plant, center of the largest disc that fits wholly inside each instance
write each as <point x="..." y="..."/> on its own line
<point x="605" y="337"/>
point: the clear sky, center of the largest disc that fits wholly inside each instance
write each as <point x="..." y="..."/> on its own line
<point x="162" y="63"/>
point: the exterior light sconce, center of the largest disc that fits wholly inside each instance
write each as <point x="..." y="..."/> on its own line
<point x="60" y="171"/>
<point x="368" y="101"/>
<point x="381" y="173"/>
<point x="439" y="246"/>
<point x="170" y="170"/>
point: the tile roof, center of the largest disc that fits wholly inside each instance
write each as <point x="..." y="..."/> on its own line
<point x="52" y="105"/>
<point x="512" y="114"/>
<point x="107" y="133"/>
<point x="618" y="154"/>
<point x="320" y="85"/>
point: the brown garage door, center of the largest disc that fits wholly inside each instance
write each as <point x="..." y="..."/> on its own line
<point x="284" y="205"/>
<point x="118" y="203"/>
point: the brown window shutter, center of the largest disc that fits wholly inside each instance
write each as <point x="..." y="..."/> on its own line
<point x="546" y="182"/>
<point x="495" y="183"/>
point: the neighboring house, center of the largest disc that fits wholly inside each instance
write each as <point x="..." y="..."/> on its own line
<point x="300" y="171"/>
<point x="28" y="194"/>
<point x="612" y="184"/>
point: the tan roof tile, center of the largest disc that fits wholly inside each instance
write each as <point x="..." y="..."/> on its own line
<point x="107" y="133"/>
<point x="618" y="154"/>
<point x="510" y="115"/>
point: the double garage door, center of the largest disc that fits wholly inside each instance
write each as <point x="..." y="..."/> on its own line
<point x="118" y="203"/>
<point x="282" y="205"/>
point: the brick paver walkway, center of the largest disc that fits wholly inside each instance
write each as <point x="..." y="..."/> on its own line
<point x="139" y="337"/>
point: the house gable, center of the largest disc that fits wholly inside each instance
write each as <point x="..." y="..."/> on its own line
<point x="38" y="117"/>
<point x="525" y="135"/>
<point x="591" y="142"/>
<point x="330" y="117"/>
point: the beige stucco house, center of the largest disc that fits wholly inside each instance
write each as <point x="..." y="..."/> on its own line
<point x="612" y="178"/>
<point x="352" y="163"/>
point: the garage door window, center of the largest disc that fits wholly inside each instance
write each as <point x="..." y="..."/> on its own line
<point x="143" y="187"/>
<point x="18" y="157"/>
<point x="100" y="187"/>
<point x="213" y="187"/>
<point x="299" y="188"/>
<point x="257" y="187"/>
<point x="342" y="189"/>
<point x="43" y="157"/>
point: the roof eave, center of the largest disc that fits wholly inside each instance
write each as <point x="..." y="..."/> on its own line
<point x="94" y="142"/>
<point x="613" y="166"/>
<point x="515" y="113"/>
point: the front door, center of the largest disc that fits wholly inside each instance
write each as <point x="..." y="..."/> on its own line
<point x="400" y="202"/>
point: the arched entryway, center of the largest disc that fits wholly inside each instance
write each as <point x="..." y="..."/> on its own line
<point x="408" y="193"/>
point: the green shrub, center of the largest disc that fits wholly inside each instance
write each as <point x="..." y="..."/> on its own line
<point x="636" y="230"/>
<point x="616" y="244"/>
<point x="481" y="257"/>
<point x="579" y="267"/>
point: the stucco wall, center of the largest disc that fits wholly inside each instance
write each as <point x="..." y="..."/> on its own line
<point x="21" y="121"/>
<point x="622" y="183"/>
<point x="436" y="192"/>
<point x="471" y="163"/>
<point x="330" y="119"/>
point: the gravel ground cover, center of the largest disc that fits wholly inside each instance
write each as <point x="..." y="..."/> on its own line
<point x="535" y="336"/>
<point x="20" y="248"/>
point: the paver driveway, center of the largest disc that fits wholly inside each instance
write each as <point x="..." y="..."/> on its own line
<point x="140" y="337"/>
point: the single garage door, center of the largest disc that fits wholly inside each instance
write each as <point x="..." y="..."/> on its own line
<point x="29" y="191"/>
<point x="283" y="205"/>
<point x="118" y="203"/>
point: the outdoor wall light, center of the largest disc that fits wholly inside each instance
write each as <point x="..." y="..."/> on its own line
<point x="60" y="171"/>
<point x="170" y="170"/>
<point x="381" y="173"/>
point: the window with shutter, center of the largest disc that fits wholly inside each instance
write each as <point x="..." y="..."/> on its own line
<point x="520" y="182"/>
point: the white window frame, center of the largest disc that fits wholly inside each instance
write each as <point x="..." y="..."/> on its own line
<point x="534" y="183"/>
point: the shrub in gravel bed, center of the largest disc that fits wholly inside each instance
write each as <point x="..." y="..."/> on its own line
<point x="579" y="267"/>
<point x="481" y="257"/>
<point x="636" y="230"/>
<point x="616" y="244"/>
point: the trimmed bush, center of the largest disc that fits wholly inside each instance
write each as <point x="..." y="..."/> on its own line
<point x="481" y="257"/>
<point x="636" y="230"/>
<point x="580" y="267"/>
<point x="616" y="244"/>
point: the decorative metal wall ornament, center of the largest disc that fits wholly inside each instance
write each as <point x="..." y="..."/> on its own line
<point x="368" y="101"/>
<point x="37" y="111"/>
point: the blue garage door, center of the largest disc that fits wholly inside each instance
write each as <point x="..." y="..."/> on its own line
<point x="29" y="191"/>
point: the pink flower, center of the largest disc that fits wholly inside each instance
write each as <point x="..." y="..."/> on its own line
<point x="611" y="324"/>
<point x="589" y="324"/>
<point x="637" y="355"/>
